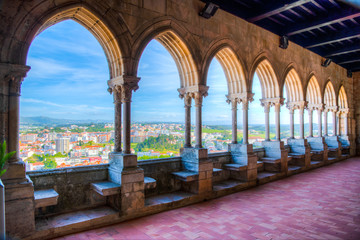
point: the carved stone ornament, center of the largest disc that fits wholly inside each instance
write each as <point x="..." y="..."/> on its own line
<point x="122" y="87"/>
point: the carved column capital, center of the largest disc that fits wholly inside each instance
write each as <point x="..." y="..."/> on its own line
<point x="13" y="75"/>
<point x="313" y="106"/>
<point x="197" y="93"/>
<point x="122" y="87"/>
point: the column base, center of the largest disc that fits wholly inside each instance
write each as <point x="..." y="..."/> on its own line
<point x="196" y="160"/>
<point x="19" y="207"/>
<point x="244" y="154"/>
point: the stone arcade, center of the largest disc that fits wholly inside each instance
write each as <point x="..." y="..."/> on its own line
<point x="125" y="189"/>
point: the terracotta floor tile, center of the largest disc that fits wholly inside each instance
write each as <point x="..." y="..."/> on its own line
<point x="321" y="204"/>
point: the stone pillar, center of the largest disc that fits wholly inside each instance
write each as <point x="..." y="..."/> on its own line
<point x="334" y="123"/>
<point x="310" y="122"/>
<point x="198" y="124"/>
<point x="187" y="101"/>
<point x="19" y="189"/>
<point x="123" y="168"/>
<point x="245" y="108"/>
<point x="234" y="121"/>
<point x="325" y="122"/>
<point x="301" y="115"/>
<point x="346" y="130"/>
<point x="277" y="120"/>
<point x="267" y="120"/>
<point x="116" y="91"/>
<point x="319" y="122"/>
<point x="338" y="116"/>
<point x="292" y="134"/>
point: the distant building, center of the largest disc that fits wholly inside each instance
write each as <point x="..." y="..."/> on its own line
<point x="62" y="145"/>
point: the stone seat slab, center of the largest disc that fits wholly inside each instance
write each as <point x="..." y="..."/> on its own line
<point x="333" y="149"/>
<point x="149" y="183"/>
<point x="106" y="188"/>
<point x="271" y="160"/>
<point x="317" y="151"/>
<point x="235" y="167"/>
<point x="289" y="158"/>
<point x="186" y="176"/>
<point x="296" y="155"/>
<point x="45" y="198"/>
<point x="345" y="147"/>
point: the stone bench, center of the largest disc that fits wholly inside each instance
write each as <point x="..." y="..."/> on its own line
<point x="149" y="183"/>
<point x="271" y="160"/>
<point x="296" y="155"/>
<point x="186" y="176"/>
<point x="106" y="188"/>
<point x="45" y="198"/>
<point x="217" y="171"/>
<point x="235" y="167"/>
<point x="317" y="151"/>
<point x="333" y="149"/>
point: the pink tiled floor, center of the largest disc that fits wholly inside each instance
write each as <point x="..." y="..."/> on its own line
<point x="320" y="204"/>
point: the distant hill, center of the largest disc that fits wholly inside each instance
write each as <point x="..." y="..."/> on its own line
<point x="53" y="121"/>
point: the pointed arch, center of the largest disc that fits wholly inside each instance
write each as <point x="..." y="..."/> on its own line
<point x="182" y="56"/>
<point x="101" y="32"/>
<point x="233" y="70"/>
<point x="342" y="98"/>
<point x="329" y="95"/>
<point x="293" y="86"/>
<point x="268" y="80"/>
<point x="313" y="93"/>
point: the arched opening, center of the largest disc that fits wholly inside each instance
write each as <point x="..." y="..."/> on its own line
<point x="330" y="106"/>
<point x="158" y="115"/>
<point x="67" y="87"/>
<point x="294" y="96"/>
<point x="266" y="90"/>
<point x="343" y="111"/>
<point x="314" y="104"/>
<point x="226" y="81"/>
<point x="160" y="133"/>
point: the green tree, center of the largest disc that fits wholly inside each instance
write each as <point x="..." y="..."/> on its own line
<point x="50" y="163"/>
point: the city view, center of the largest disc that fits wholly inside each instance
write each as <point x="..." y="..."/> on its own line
<point x="70" y="145"/>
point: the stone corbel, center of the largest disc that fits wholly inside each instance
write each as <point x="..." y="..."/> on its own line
<point x="13" y="75"/>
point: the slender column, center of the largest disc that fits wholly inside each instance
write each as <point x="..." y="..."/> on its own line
<point x="325" y="123"/>
<point x="117" y="121"/>
<point x="14" y="97"/>
<point x="267" y="121"/>
<point x="301" y="120"/>
<point x="198" y="127"/>
<point x="245" y="108"/>
<point x="187" y="100"/>
<point x="338" y="116"/>
<point x="292" y="135"/>
<point x="334" y="122"/>
<point x="319" y="123"/>
<point x="277" y="120"/>
<point x="346" y="130"/>
<point x="123" y="87"/>
<point x="234" y="121"/>
<point x="310" y="122"/>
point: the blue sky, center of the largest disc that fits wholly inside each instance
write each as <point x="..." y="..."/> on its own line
<point x="69" y="73"/>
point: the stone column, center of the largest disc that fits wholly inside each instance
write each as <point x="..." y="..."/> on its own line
<point x="338" y="121"/>
<point x="334" y="122"/>
<point x="346" y="130"/>
<point x="116" y="91"/>
<point x="267" y="120"/>
<point x="310" y="122"/>
<point x="325" y="122"/>
<point x="292" y="135"/>
<point x="245" y="108"/>
<point x="19" y="189"/>
<point x="198" y="123"/>
<point x="319" y="122"/>
<point x="277" y="120"/>
<point x="187" y="100"/>
<point x="123" y="168"/>
<point x="234" y="121"/>
<point x="301" y="121"/>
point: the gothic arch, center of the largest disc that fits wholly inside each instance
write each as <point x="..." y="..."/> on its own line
<point x="169" y="37"/>
<point x="268" y="78"/>
<point x="293" y="86"/>
<point x="82" y="14"/>
<point x="329" y="95"/>
<point x="342" y="98"/>
<point x="313" y="93"/>
<point x="231" y="63"/>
